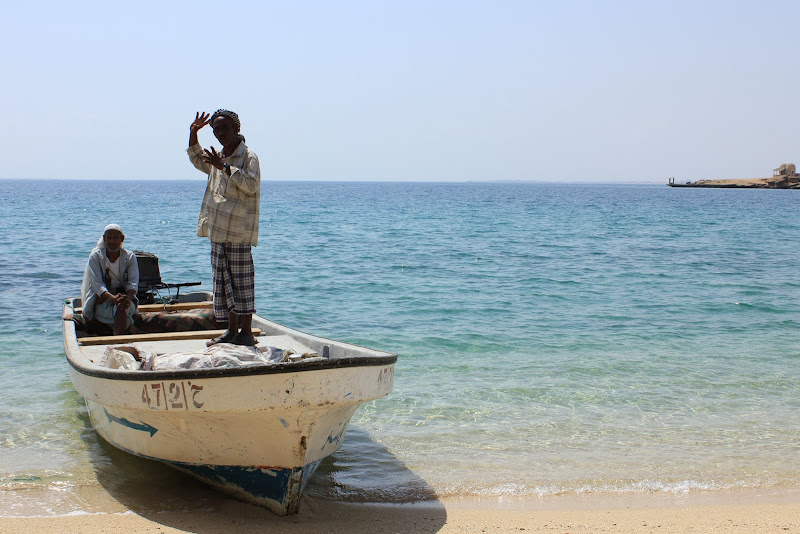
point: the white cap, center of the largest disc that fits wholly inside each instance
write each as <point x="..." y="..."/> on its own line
<point x="113" y="227"/>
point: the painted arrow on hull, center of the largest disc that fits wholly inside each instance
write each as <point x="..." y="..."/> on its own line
<point x="130" y="424"/>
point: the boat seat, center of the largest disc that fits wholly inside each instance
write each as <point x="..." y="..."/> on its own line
<point x="159" y="336"/>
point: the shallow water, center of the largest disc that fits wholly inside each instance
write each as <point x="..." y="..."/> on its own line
<point x="552" y="339"/>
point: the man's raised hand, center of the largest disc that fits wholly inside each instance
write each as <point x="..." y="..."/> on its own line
<point x="200" y="120"/>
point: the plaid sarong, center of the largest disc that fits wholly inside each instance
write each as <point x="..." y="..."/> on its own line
<point x="234" y="280"/>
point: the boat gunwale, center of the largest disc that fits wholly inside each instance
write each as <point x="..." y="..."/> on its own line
<point x="225" y="372"/>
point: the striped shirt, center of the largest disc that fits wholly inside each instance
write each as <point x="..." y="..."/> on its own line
<point x="231" y="204"/>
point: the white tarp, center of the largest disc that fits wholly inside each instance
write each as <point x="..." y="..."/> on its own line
<point x="222" y="355"/>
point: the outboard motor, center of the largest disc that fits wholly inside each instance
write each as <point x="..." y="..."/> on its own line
<point x="150" y="278"/>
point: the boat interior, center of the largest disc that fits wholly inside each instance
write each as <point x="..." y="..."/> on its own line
<point x="179" y="327"/>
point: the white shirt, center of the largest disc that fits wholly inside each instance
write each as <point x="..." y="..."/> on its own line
<point x="111" y="273"/>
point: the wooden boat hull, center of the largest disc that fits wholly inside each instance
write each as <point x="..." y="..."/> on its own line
<point x="257" y="433"/>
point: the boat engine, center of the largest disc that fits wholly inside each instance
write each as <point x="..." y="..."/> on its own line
<point x="150" y="279"/>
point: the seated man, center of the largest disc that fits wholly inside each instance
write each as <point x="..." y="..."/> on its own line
<point x="110" y="282"/>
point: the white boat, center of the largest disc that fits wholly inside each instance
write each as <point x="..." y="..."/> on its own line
<point x="257" y="432"/>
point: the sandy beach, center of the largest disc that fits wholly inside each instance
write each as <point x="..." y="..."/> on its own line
<point x="741" y="182"/>
<point x="732" y="513"/>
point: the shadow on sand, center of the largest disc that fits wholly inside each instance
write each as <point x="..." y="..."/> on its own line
<point x="361" y="488"/>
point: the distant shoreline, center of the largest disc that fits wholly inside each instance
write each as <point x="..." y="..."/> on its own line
<point x="201" y="179"/>
<point x="776" y="182"/>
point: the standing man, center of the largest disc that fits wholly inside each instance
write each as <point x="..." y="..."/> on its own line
<point x="110" y="282"/>
<point x="229" y="218"/>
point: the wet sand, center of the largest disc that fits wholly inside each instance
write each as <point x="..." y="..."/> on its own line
<point x="718" y="513"/>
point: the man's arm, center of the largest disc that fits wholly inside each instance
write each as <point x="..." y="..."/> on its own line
<point x="248" y="177"/>
<point x="195" y="150"/>
<point x="96" y="280"/>
<point x="132" y="284"/>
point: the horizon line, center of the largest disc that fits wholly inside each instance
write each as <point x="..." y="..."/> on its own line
<point x="317" y="180"/>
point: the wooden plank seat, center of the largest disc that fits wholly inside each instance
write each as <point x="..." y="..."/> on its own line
<point x="146" y="308"/>
<point x="161" y="336"/>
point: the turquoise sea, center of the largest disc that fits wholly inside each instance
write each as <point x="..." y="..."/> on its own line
<point x="553" y="339"/>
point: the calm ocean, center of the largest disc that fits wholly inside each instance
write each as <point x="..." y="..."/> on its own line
<point x="552" y="339"/>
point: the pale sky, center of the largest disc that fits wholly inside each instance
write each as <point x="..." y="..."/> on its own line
<point x="411" y="90"/>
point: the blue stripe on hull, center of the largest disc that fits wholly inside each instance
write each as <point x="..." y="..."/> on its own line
<point x="277" y="489"/>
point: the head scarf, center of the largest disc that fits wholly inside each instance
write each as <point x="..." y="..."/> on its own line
<point x="101" y="243"/>
<point x="232" y="116"/>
